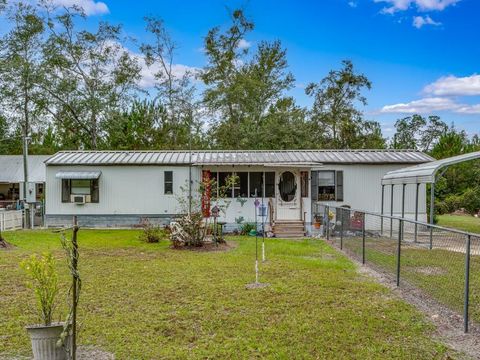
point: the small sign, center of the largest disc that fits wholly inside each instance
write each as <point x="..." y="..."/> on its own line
<point x="257" y="203"/>
<point x="31" y="195"/>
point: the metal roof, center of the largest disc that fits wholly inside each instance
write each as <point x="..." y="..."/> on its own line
<point x="240" y="157"/>
<point x="425" y="173"/>
<point x="78" y="175"/>
<point x="11" y="168"/>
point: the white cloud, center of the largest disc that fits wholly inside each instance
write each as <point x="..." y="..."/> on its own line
<point x="244" y="44"/>
<point x="422" y="5"/>
<point x="469" y="109"/>
<point x="352" y="4"/>
<point x="90" y="7"/>
<point x="455" y="86"/>
<point x="419" y="21"/>
<point x="422" y="106"/>
<point x="429" y="105"/>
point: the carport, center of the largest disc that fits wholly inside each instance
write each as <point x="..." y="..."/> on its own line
<point x="427" y="173"/>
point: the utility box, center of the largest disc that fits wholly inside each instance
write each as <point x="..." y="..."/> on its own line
<point x="31" y="195"/>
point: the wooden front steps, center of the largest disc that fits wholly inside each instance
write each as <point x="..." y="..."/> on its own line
<point x="289" y="229"/>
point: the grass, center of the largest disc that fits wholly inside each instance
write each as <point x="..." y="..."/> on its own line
<point x="461" y="222"/>
<point x="440" y="273"/>
<point x="147" y="301"/>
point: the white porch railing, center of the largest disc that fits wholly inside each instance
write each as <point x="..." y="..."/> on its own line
<point x="11" y="220"/>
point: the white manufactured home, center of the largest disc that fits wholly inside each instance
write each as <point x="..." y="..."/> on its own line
<point x="121" y="188"/>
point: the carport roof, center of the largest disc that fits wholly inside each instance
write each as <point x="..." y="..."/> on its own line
<point x="425" y="173"/>
<point x="11" y="168"/>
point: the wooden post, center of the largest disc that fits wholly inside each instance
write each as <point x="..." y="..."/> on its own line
<point x="74" y="288"/>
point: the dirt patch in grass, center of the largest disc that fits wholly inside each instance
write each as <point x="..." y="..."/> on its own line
<point x="428" y="270"/>
<point x="93" y="353"/>
<point x="210" y="247"/>
<point x="5" y="245"/>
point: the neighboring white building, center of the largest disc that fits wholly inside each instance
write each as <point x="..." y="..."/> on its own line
<point x="12" y="178"/>
<point x="120" y="188"/>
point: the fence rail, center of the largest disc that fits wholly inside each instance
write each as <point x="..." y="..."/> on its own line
<point x="443" y="263"/>
<point x="11" y="220"/>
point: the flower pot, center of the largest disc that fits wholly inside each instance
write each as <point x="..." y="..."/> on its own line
<point x="316" y="225"/>
<point x="44" y="342"/>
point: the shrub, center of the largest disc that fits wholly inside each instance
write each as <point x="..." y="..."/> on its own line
<point x="151" y="233"/>
<point x="246" y="228"/>
<point x="471" y="200"/>
<point x="44" y="282"/>
<point x="450" y="204"/>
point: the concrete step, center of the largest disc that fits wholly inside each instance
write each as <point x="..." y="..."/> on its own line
<point x="289" y="229"/>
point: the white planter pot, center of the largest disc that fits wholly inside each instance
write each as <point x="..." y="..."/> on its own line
<point x="44" y="342"/>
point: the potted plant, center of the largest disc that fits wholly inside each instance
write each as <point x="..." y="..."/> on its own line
<point x="317" y="222"/>
<point x="46" y="336"/>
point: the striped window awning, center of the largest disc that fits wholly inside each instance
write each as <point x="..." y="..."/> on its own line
<point x="78" y="175"/>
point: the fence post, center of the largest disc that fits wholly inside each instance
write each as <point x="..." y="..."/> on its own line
<point x="363" y="238"/>
<point x="430" y="246"/>
<point x="341" y="229"/>
<point x="467" y="285"/>
<point x="399" y="248"/>
<point x="327" y="211"/>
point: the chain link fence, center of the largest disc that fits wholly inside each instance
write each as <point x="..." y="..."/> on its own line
<point x="442" y="263"/>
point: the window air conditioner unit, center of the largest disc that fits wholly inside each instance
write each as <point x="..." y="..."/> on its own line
<point x="78" y="199"/>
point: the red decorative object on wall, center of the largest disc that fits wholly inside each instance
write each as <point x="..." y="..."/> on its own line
<point x="206" y="193"/>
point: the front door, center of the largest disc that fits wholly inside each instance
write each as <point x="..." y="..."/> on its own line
<point x="288" y="195"/>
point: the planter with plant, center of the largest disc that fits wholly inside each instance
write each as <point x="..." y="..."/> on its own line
<point x="46" y="336"/>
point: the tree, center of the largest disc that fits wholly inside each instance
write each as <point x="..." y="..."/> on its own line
<point x="20" y="58"/>
<point x="243" y="90"/>
<point x="137" y="128"/>
<point x="89" y="75"/>
<point x="335" y="119"/>
<point x="418" y="133"/>
<point x="175" y="92"/>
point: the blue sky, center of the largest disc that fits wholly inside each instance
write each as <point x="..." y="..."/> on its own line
<point x="421" y="55"/>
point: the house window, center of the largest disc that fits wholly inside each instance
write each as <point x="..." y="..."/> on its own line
<point x="269" y="184"/>
<point x="214" y="184"/>
<point x="87" y="187"/>
<point x="240" y="188"/>
<point x="168" y="182"/>
<point x="326" y="185"/>
<point x="222" y="184"/>
<point x="256" y="184"/>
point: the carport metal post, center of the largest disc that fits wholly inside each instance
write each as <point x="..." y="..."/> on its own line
<point x="432" y="210"/>
<point x="467" y="284"/>
<point x="382" y="209"/>
<point x="391" y="212"/>
<point x="416" y="210"/>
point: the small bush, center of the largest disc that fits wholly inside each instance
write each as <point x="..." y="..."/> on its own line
<point x="151" y="233"/>
<point x="471" y="200"/>
<point x="43" y="280"/>
<point x="450" y="204"/>
<point x="246" y="228"/>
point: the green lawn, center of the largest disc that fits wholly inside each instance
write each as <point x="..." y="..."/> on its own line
<point x="462" y="222"/>
<point x="147" y="301"/>
<point x="439" y="273"/>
